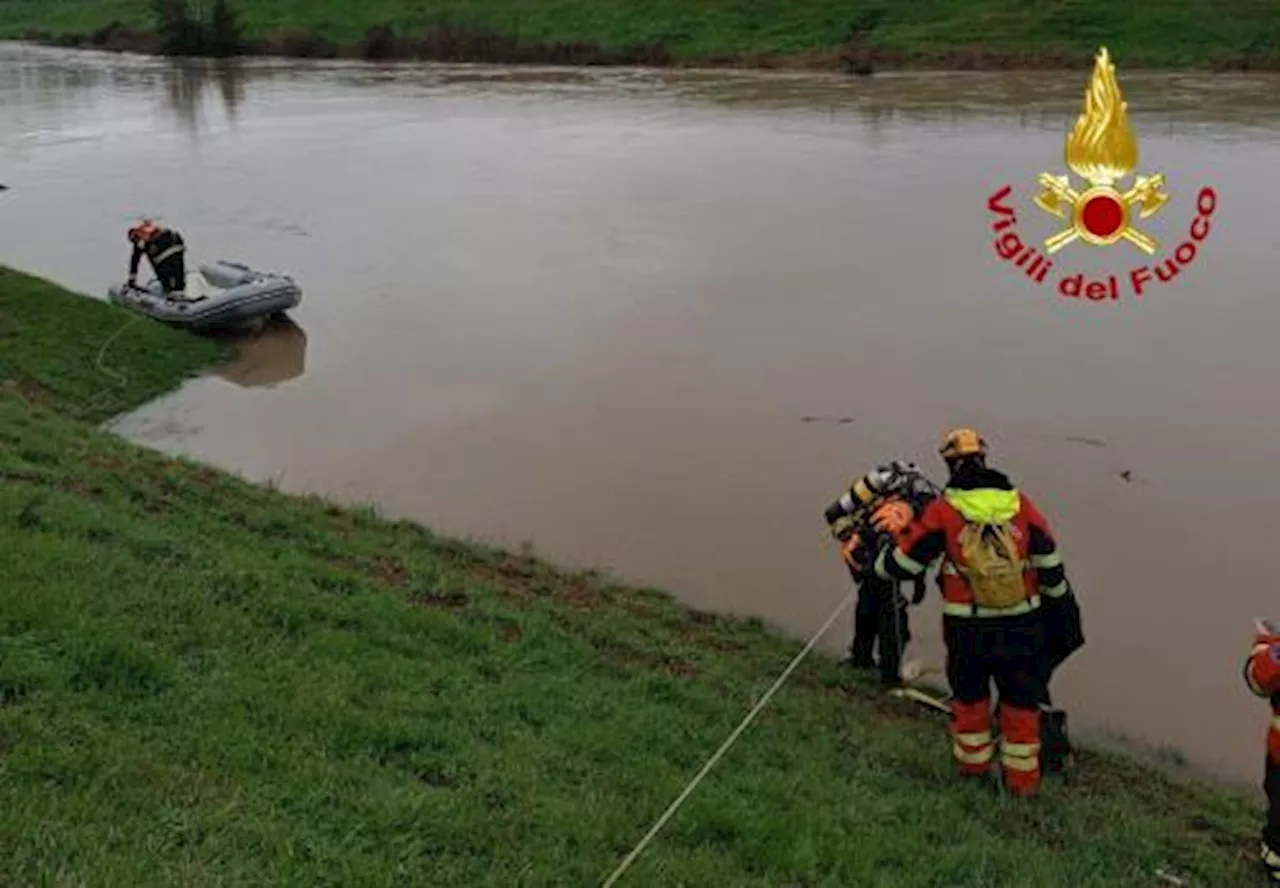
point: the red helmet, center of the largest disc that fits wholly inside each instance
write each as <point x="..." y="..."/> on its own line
<point x="143" y="231"/>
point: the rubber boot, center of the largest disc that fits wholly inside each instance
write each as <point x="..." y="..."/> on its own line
<point x="1055" y="745"/>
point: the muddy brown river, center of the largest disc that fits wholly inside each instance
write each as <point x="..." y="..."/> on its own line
<point x="592" y="311"/>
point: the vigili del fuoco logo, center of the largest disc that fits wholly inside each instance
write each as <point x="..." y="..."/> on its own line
<point x="1102" y="150"/>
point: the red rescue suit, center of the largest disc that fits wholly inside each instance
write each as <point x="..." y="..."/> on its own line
<point x="1006" y="645"/>
<point x="1262" y="675"/>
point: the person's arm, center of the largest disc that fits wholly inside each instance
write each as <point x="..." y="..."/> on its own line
<point x="918" y="546"/>
<point x="842" y="525"/>
<point x="1262" y="668"/>
<point x="1064" y="630"/>
<point x="134" y="258"/>
<point x="1044" y="554"/>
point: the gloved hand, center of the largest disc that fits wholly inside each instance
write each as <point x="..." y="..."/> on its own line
<point x="892" y="516"/>
<point x="132" y="283"/>
<point x="852" y="557"/>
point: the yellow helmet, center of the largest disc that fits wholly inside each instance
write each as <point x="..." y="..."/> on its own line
<point x="962" y="442"/>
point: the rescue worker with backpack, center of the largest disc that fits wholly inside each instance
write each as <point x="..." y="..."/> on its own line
<point x="1000" y="563"/>
<point x="1262" y="675"/>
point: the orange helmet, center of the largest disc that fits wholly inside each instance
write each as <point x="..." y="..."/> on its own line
<point x="143" y="231"/>
<point x="962" y="442"/>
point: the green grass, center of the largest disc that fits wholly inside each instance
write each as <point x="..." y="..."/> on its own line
<point x="1172" y="33"/>
<point x="204" y="682"/>
<point x="87" y="359"/>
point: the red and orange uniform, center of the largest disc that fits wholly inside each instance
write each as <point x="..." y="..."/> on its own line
<point x="1003" y="644"/>
<point x="1262" y="675"/>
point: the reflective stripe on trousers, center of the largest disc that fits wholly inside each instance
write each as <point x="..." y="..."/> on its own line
<point x="971" y="740"/>
<point x="972" y="748"/>
<point x="1020" y="749"/>
<point x="1019" y="756"/>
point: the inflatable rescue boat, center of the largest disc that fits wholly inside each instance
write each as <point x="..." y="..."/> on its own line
<point x="219" y="295"/>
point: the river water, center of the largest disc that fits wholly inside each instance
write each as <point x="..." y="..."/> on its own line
<point x="620" y="315"/>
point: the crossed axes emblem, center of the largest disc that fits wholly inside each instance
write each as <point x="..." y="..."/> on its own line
<point x="1058" y="198"/>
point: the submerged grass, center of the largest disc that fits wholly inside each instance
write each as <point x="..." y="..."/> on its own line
<point x="972" y="33"/>
<point x="207" y="682"/>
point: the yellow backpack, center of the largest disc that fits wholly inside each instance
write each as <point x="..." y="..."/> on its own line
<point x="993" y="567"/>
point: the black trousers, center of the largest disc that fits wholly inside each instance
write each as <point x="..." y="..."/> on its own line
<point x="880" y="626"/>
<point x="1271" y="832"/>
<point x="1004" y="650"/>
<point x="172" y="273"/>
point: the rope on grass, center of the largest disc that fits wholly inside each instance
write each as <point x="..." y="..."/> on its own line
<point x="121" y="379"/>
<point x="102" y="352"/>
<point x="711" y="762"/>
<point x="101" y="398"/>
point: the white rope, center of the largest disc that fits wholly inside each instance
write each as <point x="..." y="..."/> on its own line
<point x="711" y="762"/>
<point x="102" y="352"/>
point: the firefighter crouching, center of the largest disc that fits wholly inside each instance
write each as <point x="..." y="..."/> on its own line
<point x="1262" y="675"/>
<point x="164" y="249"/>
<point x="1000" y="563"/>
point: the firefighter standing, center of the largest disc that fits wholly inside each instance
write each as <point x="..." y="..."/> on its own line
<point x="999" y="563"/>
<point x="879" y="504"/>
<point x="164" y="249"/>
<point x="1262" y="675"/>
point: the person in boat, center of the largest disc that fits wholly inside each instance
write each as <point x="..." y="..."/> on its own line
<point x="999" y="566"/>
<point x="165" y="250"/>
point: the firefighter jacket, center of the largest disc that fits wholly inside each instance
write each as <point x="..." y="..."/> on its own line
<point x="981" y="496"/>
<point x="158" y="247"/>
<point x="1262" y="675"/>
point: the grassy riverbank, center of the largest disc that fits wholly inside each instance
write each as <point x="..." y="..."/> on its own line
<point x="806" y="33"/>
<point x="207" y="682"/>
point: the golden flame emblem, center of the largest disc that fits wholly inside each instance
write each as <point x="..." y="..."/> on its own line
<point x="1101" y="149"/>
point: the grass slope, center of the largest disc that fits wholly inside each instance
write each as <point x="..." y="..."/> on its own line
<point x="204" y="682"/>
<point x="87" y="359"/>
<point x="1174" y="33"/>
